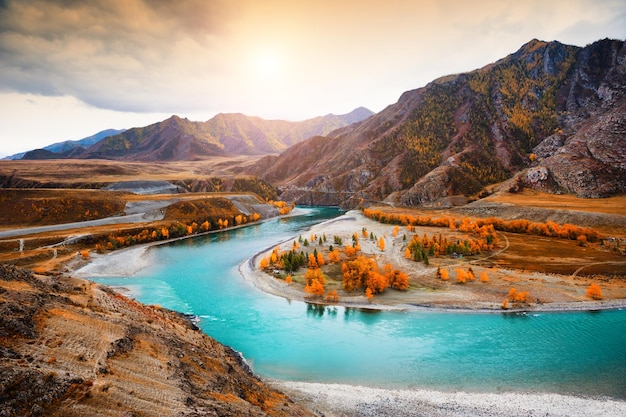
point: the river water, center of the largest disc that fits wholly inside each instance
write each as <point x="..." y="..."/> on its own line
<point x="581" y="353"/>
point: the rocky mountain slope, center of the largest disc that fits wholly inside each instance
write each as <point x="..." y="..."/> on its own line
<point x="177" y="139"/>
<point x="69" y="347"/>
<point x="550" y="115"/>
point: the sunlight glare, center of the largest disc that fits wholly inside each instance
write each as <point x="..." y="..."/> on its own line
<point x="268" y="64"/>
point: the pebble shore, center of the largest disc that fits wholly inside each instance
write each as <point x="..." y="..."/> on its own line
<point x="336" y="400"/>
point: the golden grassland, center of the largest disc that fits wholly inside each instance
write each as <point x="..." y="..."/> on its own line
<point x="538" y="199"/>
<point x="106" y="171"/>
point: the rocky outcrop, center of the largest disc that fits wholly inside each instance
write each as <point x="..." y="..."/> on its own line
<point x="69" y="347"/>
<point x="591" y="162"/>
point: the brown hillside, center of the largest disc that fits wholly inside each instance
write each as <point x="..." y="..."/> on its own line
<point x="73" y="348"/>
<point x="555" y="108"/>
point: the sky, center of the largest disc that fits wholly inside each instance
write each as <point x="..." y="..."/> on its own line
<point x="71" y="68"/>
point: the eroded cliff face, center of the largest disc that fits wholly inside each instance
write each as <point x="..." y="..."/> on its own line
<point x="69" y="347"/>
<point x="460" y="133"/>
<point x="590" y="162"/>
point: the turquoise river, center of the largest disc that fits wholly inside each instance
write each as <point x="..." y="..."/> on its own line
<point x="581" y="353"/>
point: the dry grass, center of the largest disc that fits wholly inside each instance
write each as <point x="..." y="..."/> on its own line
<point x="105" y="171"/>
<point x="538" y="199"/>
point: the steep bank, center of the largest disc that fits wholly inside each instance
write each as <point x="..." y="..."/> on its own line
<point x="73" y="348"/>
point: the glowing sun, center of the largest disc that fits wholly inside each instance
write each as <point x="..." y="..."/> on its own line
<point x="267" y="64"/>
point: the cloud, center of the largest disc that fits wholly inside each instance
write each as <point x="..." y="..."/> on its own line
<point x="191" y="56"/>
<point x="117" y="54"/>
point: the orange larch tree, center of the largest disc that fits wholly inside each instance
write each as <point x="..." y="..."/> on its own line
<point x="461" y="276"/>
<point x="314" y="274"/>
<point x="376" y="282"/>
<point x="594" y="291"/>
<point x="333" y="256"/>
<point x="398" y="280"/>
<point x="332" y="296"/>
<point x="315" y="289"/>
<point x="444" y="274"/>
<point x="350" y="251"/>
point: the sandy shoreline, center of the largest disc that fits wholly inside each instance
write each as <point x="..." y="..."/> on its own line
<point x="337" y="400"/>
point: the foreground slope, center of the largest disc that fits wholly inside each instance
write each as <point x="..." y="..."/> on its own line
<point x="556" y="108"/>
<point x="69" y="347"/>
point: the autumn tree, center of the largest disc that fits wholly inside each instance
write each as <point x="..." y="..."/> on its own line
<point x="444" y="274"/>
<point x="484" y="277"/>
<point x="288" y="279"/>
<point x="320" y="259"/>
<point x="398" y="280"/>
<point x="594" y="291"/>
<point x="519" y="297"/>
<point x="381" y="243"/>
<point x="355" y="272"/>
<point x="332" y="296"/>
<point x="315" y="289"/>
<point x="470" y="274"/>
<point x="314" y="274"/>
<point x="461" y="276"/>
<point x="376" y="282"/>
<point x="333" y="256"/>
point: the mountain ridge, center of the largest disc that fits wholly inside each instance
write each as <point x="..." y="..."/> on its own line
<point x="460" y="133"/>
<point x="176" y="138"/>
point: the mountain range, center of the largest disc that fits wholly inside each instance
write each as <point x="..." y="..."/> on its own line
<point x="549" y="116"/>
<point x="177" y="138"/>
